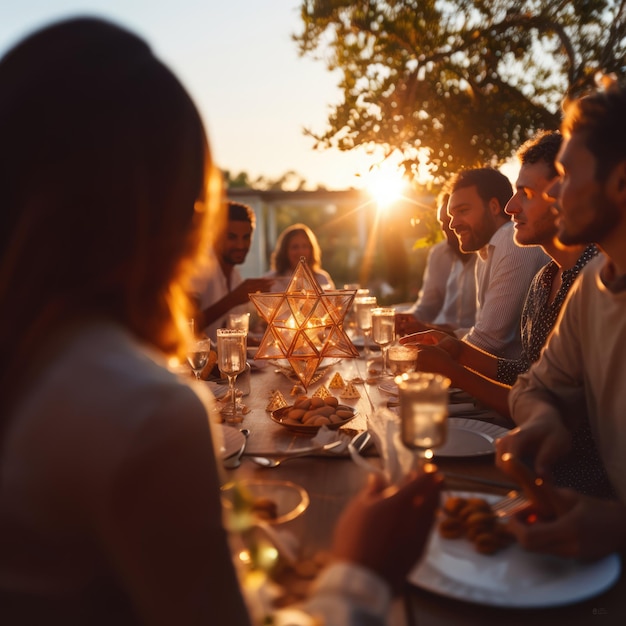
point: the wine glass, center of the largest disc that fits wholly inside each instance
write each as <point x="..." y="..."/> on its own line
<point x="383" y="331"/>
<point x="363" y="306"/>
<point x="198" y="355"/>
<point x="232" y="352"/>
<point x="423" y="398"/>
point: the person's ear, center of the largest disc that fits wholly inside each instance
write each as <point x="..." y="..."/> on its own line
<point x="495" y="208"/>
<point x="616" y="184"/>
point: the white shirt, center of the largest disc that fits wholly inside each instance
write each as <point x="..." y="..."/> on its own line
<point x="504" y="272"/>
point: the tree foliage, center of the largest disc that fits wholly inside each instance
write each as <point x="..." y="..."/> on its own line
<point x="466" y="80"/>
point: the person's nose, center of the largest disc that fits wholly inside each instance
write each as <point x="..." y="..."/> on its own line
<point x="513" y="206"/>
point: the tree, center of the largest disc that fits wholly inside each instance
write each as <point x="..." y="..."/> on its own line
<point x="465" y="82"/>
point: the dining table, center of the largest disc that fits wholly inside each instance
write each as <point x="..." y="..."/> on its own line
<point x="332" y="478"/>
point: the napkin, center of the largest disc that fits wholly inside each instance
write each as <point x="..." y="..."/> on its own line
<point x="396" y="461"/>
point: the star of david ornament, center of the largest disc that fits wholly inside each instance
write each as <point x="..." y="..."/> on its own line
<point x="304" y="324"/>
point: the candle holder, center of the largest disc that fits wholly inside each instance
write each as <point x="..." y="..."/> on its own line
<point x="304" y="324"/>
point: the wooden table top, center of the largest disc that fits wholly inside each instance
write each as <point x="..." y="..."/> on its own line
<point x="332" y="481"/>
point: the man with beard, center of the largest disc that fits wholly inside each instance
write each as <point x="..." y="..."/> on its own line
<point x="504" y="270"/>
<point x="580" y="373"/>
<point x="224" y="290"/>
<point x="447" y="299"/>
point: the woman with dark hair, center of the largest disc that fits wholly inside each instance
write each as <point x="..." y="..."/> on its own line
<point x="294" y="242"/>
<point x="110" y="507"/>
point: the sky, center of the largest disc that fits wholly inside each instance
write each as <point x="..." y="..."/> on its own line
<point x="237" y="60"/>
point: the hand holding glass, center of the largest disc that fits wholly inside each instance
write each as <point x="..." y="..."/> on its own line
<point x="231" y="360"/>
<point x="423" y="400"/>
<point x="383" y="331"/>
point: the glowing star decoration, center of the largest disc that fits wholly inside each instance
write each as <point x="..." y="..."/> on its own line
<point x="304" y="324"/>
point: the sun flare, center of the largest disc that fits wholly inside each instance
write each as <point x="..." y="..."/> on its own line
<point x="385" y="183"/>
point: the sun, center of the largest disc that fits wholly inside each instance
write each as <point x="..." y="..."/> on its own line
<point x="386" y="184"/>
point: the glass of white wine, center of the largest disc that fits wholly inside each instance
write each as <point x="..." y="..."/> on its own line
<point x="232" y="349"/>
<point x="198" y="355"/>
<point x="423" y="398"/>
<point x="383" y="331"/>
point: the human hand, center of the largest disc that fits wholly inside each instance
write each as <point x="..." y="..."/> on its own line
<point x="241" y="293"/>
<point x="544" y="439"/>
<point x="434" y="359"/>
<point x="406" y="324"/>
<point x="385" y="528"/>
<point x="585" y="528"/>
<point x="450" y="344"/>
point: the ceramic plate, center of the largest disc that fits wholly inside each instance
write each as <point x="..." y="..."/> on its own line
<point x="232" y="440"/>
<point x="469" y="437"/>
<point x="279" y="416"/>
<point x="511" y="578"/>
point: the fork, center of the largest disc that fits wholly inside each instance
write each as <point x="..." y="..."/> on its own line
<point x="512" y="503"/>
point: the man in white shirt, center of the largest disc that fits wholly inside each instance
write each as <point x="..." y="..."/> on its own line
<point x="580" y="374"/>
<point x="223" y="290"/>
<point x="447" y="299"/>
<point x="504" y="270"/>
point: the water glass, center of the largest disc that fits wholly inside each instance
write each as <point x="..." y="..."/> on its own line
<point x="402" y="359"/>
<point x="423" y="399"/>
<point x="239" y="321"/>
<point x="363" y="306"/>
<point x="383" y="331"/>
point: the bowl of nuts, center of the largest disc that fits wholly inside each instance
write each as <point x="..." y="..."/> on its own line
<point x="308" y="414"/>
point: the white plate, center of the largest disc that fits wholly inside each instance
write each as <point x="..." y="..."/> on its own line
<point x="469" y="437"/>
<point x="232" y="440"/>
<point x="388" y="386"/>
<point x="511" y="578"/>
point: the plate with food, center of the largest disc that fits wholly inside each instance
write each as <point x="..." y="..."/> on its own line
<point x="308" y="415"/>
<point x="507" y="576"/>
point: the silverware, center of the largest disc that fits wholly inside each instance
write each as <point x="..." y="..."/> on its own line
<point x="275" y="461"/>
<point x="234" y="460"/>
<point x="512" y="503"/>
<point x="480" y="481"/>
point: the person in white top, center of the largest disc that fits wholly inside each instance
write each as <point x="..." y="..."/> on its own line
<point x="222" y="290"/>
<point x="504" y="270"/>
<point x="293" y="243"/>
<point x="447" y="299"/>
<point x="110" y="508"/>
<point x="580" y="374"/>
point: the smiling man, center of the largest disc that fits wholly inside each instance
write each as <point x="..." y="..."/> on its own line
<point x="224" y="290"/>
<point x="504" y="270"/>
<point x="580" y="374"/>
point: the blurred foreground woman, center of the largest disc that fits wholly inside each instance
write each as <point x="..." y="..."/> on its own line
<point x="109" y="488"/>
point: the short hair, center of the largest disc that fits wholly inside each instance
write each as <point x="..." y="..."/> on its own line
<point x="542" y="148"/>
<point x="601" y="117"/>
<point x="240" y="212"/>
<point x="489" y="183"/>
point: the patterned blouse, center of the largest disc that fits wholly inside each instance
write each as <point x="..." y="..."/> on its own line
<point x="539" y="317"/>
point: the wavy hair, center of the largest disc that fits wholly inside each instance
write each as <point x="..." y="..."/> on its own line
<point x="279" y="260"/>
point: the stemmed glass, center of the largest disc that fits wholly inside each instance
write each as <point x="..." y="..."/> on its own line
<point x="423" y="398"/>
<point x="363" y="306"/>
<point x="383" y="331"/>
<point x="198" y="355"/>
<point x="231" y="359"/>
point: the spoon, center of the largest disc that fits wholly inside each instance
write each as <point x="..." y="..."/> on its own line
<point x="265" y="461"/>
<point x="234" y="460"/>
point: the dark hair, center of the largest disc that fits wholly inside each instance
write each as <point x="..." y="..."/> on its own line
<point x="239" y="212"/>
<point x="489" y="183"/>
<point x="104" y="176"/>
<point x="601" y="117"/>
<point x="542" y="148"/>
<point x="280" y="258"/>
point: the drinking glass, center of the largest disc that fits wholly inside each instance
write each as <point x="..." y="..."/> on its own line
<point x="423" y="398"/>
<point x="239" y="321"/>
<point x="198" y="355"/>
<point x="363" y="306"/>
<point x="232" y="351"/>
<point x="402" y="359"/>
<point x="383" y="331"/>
